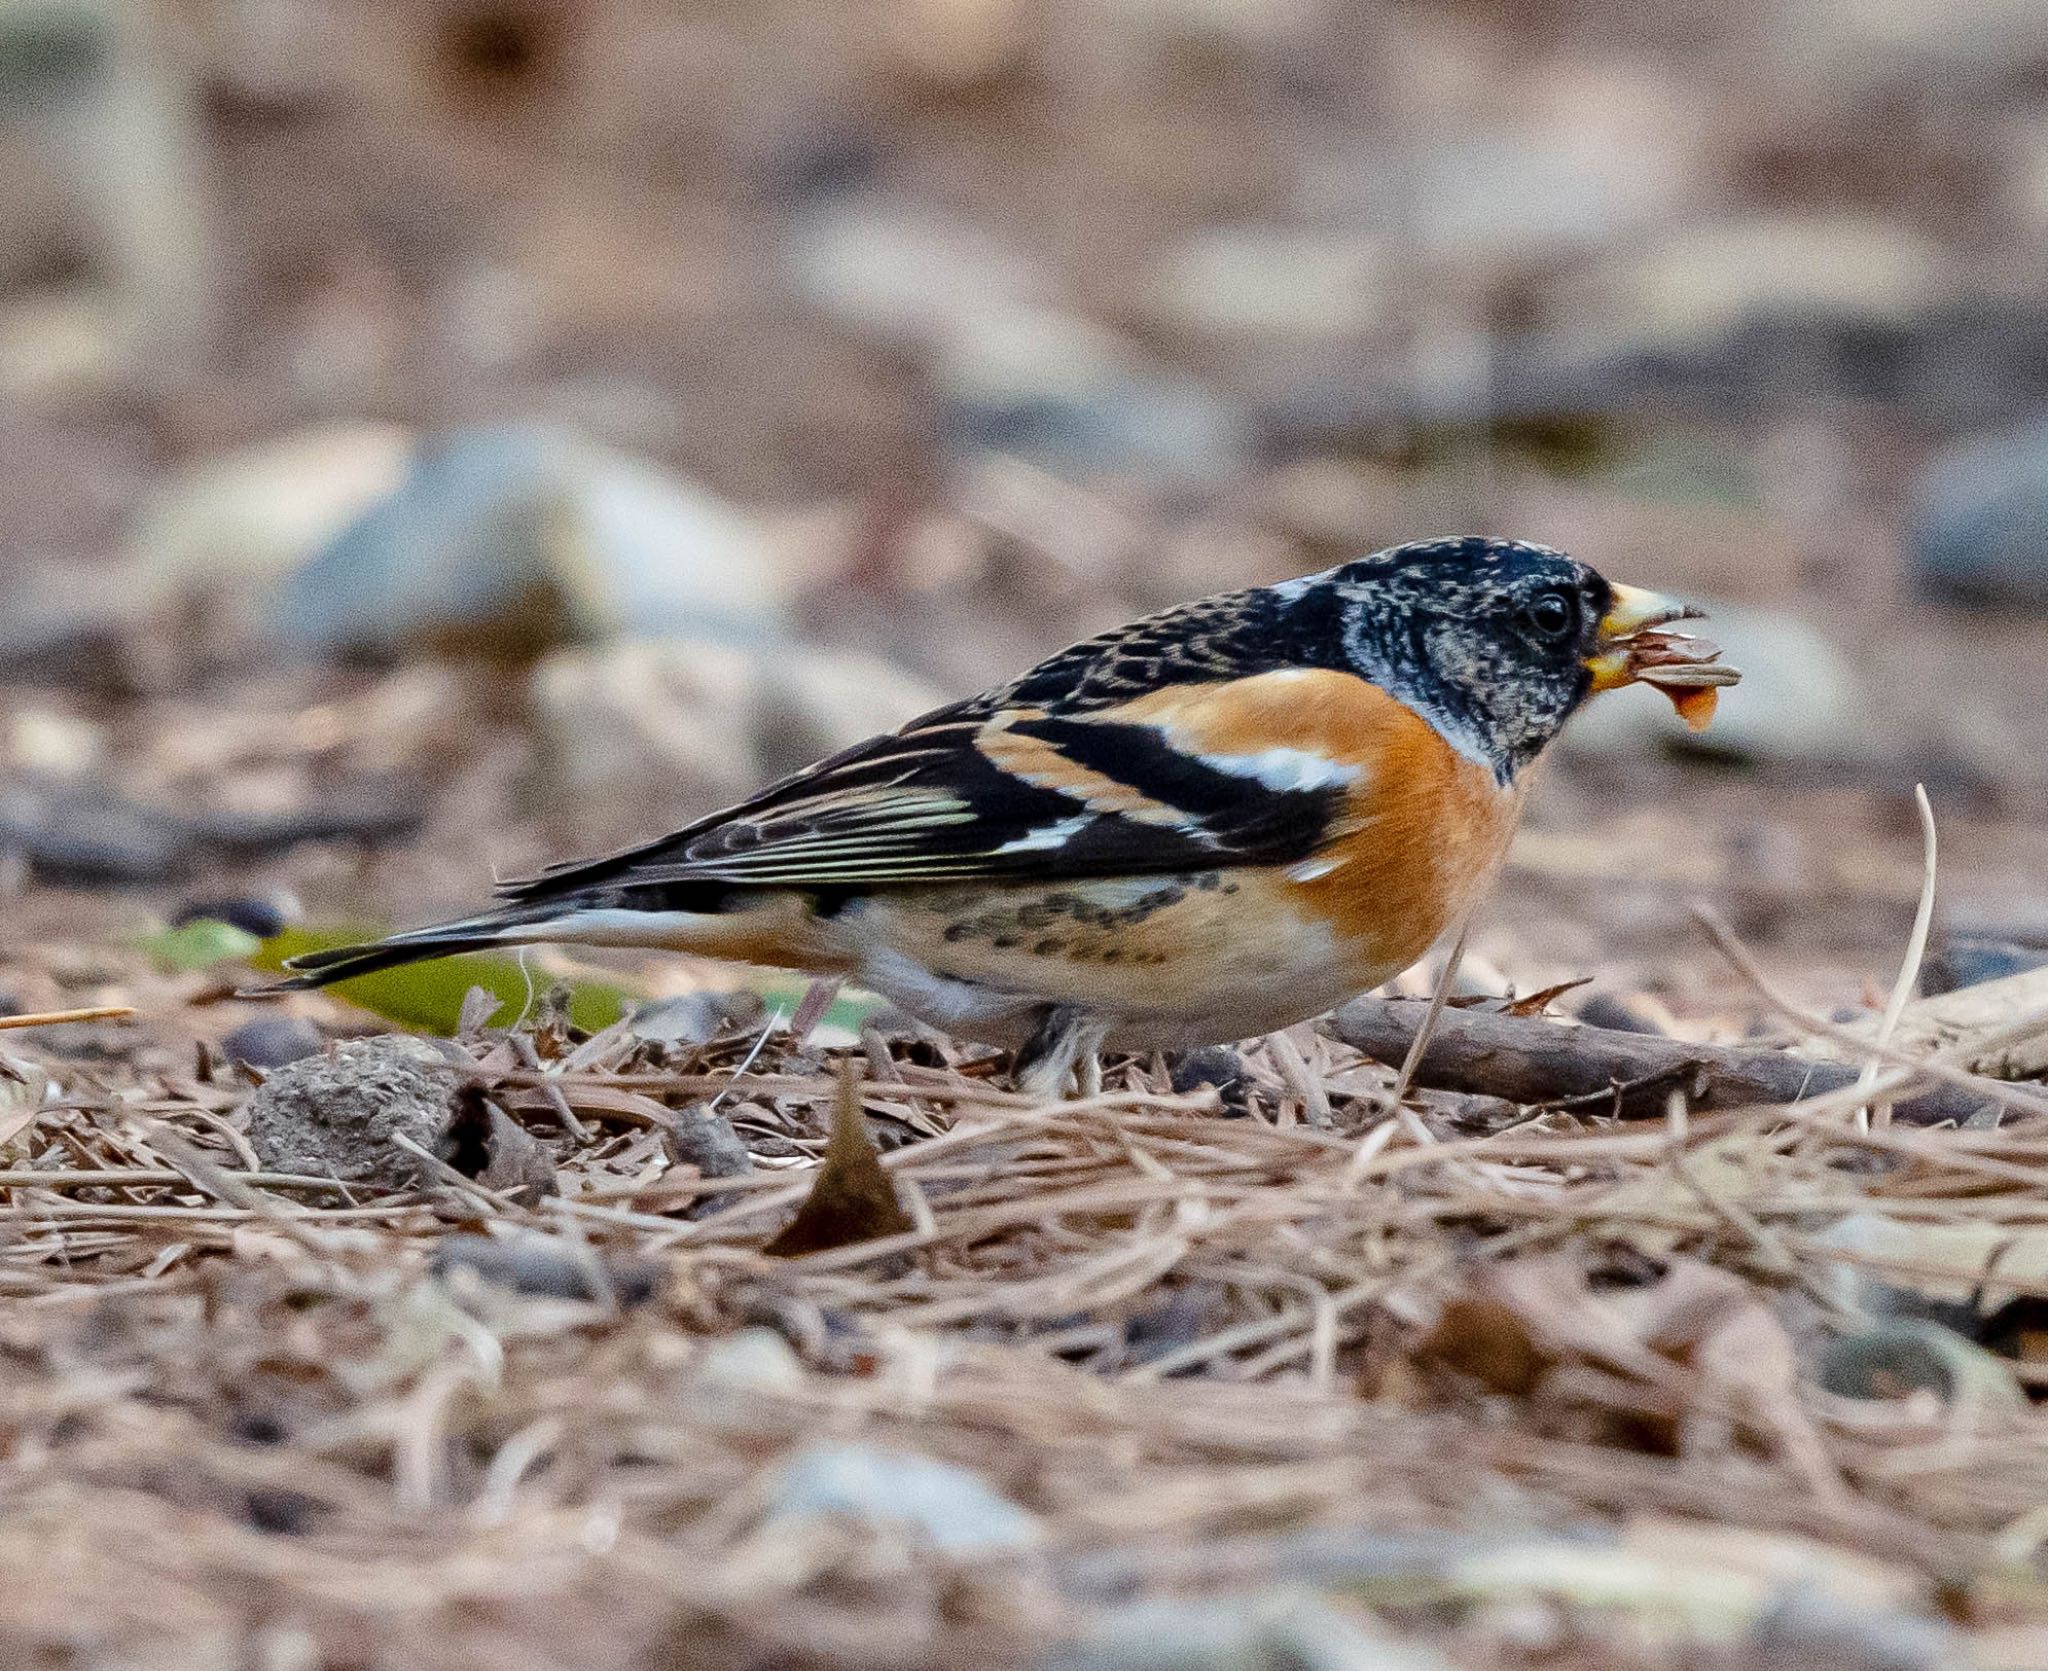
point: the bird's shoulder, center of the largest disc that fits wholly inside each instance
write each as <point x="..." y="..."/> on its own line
<point x="1210" y="640"/>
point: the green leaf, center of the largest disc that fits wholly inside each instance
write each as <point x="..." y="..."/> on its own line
<point x="427" y="997"/>
<point x="202" y="943"/>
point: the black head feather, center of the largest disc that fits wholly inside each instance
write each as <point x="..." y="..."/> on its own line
<point x="1487" y="639"/>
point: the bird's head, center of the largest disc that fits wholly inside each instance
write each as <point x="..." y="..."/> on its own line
<point x="1499" y="641"/>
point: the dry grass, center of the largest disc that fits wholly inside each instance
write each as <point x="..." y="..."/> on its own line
<point x="1511" y="1393"/>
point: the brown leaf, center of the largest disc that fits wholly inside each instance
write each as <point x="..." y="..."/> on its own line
<point x="1525" y="1314"/>
<point x="852" y="1199"/>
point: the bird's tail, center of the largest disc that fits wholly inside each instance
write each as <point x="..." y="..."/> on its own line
<point x="513" y="927"/>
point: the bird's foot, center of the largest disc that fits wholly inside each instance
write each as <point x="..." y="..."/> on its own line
<point x="1063" y="1051"/>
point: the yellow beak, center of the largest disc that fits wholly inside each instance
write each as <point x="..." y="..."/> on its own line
<point x="1634" y="610"/>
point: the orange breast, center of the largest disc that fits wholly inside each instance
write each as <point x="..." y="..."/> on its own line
<point x="1424" y="827"/>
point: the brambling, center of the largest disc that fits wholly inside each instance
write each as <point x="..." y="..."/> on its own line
<point x="1212" y="823"/>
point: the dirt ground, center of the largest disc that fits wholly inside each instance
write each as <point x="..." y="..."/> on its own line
<point x="1243" y="1362"/>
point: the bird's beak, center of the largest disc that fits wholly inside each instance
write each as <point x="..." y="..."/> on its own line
<point x="1629" y="648"/>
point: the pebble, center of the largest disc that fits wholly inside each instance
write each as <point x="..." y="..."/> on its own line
<point x="273" y="1041"/>
<point x="705" y="1139"/>
<point x="1075" y="398"/>
<point x="1263" y="1632"/>
<point x="229" y="528"/>
<point x="508" y="537"/>
<point x="952" y="1508"/>
<point x="1968" y="960"/>
<point x="264" y="918"/>
<point x="1901" y="1355"/>
<point x="1214" y="1065"/>
<point x="1980" y="535"/>
<point x="547" y="1267"/>
<point x="902" y="268"/>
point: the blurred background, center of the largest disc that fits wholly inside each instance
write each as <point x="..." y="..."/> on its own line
<point x="443" y="435"/>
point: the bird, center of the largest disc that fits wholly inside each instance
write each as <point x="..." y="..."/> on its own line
<point x="1204" y="826"/>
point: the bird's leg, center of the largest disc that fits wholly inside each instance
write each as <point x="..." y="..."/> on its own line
<point x="1066" y="1041"/>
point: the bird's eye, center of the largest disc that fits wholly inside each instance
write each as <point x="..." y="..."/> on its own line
<point x="1554" y="614"/>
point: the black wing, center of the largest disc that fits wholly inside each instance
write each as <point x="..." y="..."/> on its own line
<point x="1038" y="779"/>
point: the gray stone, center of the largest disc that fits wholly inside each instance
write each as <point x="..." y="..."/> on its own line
<point x="1702" y="280"/>
<point x="273" y="1041"/>
<point x="954" y="1510"/>
<point x="1980" y="534"/>
<point x="505" y="537"/>
<point x="642" y="735"/>
<point x="1217" y="1066"/>
<point x="1907" y="1354"/>
<point x="692" y="1018"/>
<point x="547" y="1267"/>
<point x="1809" y="1630"/>
<point x="814" y="702"/>
<point x="903" y="268"/>
<point x="705" y="1139"/>
<point x="1282" y="1630"/>
<point x="226" y="531"/>
<point x="1270" y="281"/>
<point x="335" y="1115"/>
<point x="1076" y="398"/>
<point x="1962" y="960"/>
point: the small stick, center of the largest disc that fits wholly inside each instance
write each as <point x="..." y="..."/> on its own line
<point x="529" y="1059"/>
<point x="1529" y="1060"/>
<point x="53" y="1018"/>
<point x="1438" y="998"/>
<point x="1294" y="1068"/>
<point x="1909" y="970"/>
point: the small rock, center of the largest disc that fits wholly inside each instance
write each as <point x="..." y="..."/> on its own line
<point x="53" y="744"/>
<point x="1703" y="280"/>
<point x="706" y="1140"/>
<point x="264" y="918"/>
<point x="334" y="1115"/>
<point x="1981" y="532"/>
<point x="893" y="266"/>
<point x="1076" y="398"/>
<point x="1800" y="703"/>
<point x="1216" y="1065"/>
<point x="1970" y="960"/>
<point x="273" y="1041"/>
<point x="86" y="832"/>
<point x="693" y="1018"/>
<point x="1900" y="1356"/>
<point x="656" y="731"/>
<point x="1628" y="1012"/>
<point x="510" y="538"/>
<point x="548" y="1267"/>
<point x="1810" y="1630"/>
<point x="661" y="730"/>
<point x="755" y="1360"/>
<point x="815" y="702"/>
<point x="956" y="1511"/>
<point x="1271" y="280"/>
<point x="515" y="1162"/>
<point x="226" y="531"/>
<point x="1282" y="1628"/>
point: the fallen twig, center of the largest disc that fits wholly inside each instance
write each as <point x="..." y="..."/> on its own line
<point x="1529" y="1060"/>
